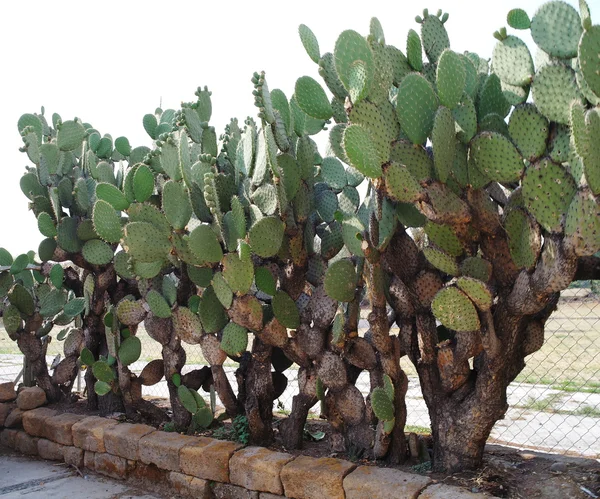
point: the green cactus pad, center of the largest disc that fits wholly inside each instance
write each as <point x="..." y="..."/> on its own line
<point x="455" y="310"/>
<point x="176" y="204"/>
<point x="266" y="235"/>
<point x="158" y="305"/>
<point x="46" y="249"/>
<point x="416" y="104"/>
<point x="547" y="192"/>
<point x="22" y="299"/>
<point x="382" y="405"/>
<point x="222" y="290"/>
<point x="409" y="215"/>
<point x="326" y="205"/>
<point x="67" y="235"/>
<point x="350" y="47"/>
<point x="529" y="130"/>
<point x="512" y="61"/>
<point x="112" y="195"/>
<point x="444" y="237"/>
<point x="477" y="291"/>
<point x="465" y="117"/>
<point x="312" y="99"/>
<point x="107" y="222"/>
<point x="340" y="280"/>
<point x="524" y="241"/>
<point x="234" y="340"/>
<point x="290" y="174"/>
<point x="12" y="319"/>
<point x="329" y="74"/>
<point x="188" y="401"/>
<point x="583" y="224"/>
<point x="201" y="277"/>
<point x="351" y="228"/>
<point x="559" y="148"/>
<point x="435" y="37"/>
<point x="204" y="244"/>
<point x="142" y="183"/>
<point x="145" y="243"/>
<point x="491" y="98"/>
<point x="361" y="151"/>
<point x="145" y="212"/>
<point x="476" y="267"/>
<point x="265" y="281"/>
<point x="103" y="372"/>
<point x="238" y="273"/>
<point x="211" y="312"/>
<point x="514" y="94"/>
<point x="451" y="79"/>
<point x="285" y="310"/>
<point x="554" y="88"/>
<point x="349" y="200"/>
<point x="265" y="197"/>
<point x="131" y="312"/>
<point x="70" y="135"/>
<point x="414" y="50"/>
<point x="441" y="261"/>
<point x="589" y="47"/>
<point x="130" y="350"/>
<point x="97" y="252"/>
<point x="46" y="225"/>
<point x="400" y="184"/>
<point x="333" y="173"/>
<point x="444" y="143"/>
<point x="556" y="29"/>
<point x="496" y="157"/>
<point x="380" y="121"/>
<point x="187" y="324"/>
<point x="310" y="42"/>
<point x="518" y="19"/>
<point x="415" y="158"/>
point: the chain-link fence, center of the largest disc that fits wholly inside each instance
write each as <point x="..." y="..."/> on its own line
<point x="554" y="402"/>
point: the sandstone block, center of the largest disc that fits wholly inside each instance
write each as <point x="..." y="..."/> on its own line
<point x="123" y="439"/>
<point x="257" y="468"/>
<point x="26" y="444"/>
<point x="309" y="478"/>
<point x="89" y="460"/>
<point x="441" y="491"/>
<point x="228" y="491"/>
<point x="88" y="434"/>
<point x="7" y="392"/>
<point x="34" y="421"/>
<point x="50" y="450"/>
<point x="208" y="459"/>
<point x="383" y="483"/>
<point x="268" y="495"/>
<point x="58" y="428"/>
<point x="162" y="449"/>
<point x="147" y="472"/>
<point x="14" y="418"/>
<point x="31" y="398"/>
<point x="190" y="486"/>
<point x="109" y="465"/>
<point x="73" y="456"/>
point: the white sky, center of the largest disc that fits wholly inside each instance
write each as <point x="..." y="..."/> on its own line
<point x="111" y="62"/>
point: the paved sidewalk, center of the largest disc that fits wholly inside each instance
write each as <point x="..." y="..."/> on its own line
<point x="27" y="477"/>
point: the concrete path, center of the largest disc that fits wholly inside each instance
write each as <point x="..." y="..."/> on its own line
<point x="26" y="477"/>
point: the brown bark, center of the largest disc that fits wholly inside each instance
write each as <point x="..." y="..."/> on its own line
<point x="292" y="428"/>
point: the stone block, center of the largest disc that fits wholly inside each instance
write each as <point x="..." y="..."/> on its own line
<point x="58" y="428"/>
<point x="47" y="449"/>
<point x="208" y="459"/>
<point x="309" y="478"/>
<point x="228" y="491"/>
<point x="31" y="398"/>
<point x="88" y="434"/>
<point x="34" y="421"/>
<point x="123" y="439"/>
<point x="15" y="418"/>
<point x="5" y="409"/>
<point x="26" y="444"/>
<point x="441" y="491"/>
<point x="73" y="456"/>
<point x="268" y="495"/>
<point x="189" y="486"/>
<point x="7" y="392"/>
<point x="383" y="483"/>
<point x="162" y="449"/>
<point x="89" y="460"/>
<point x="257" y="468"/>
<point x="8" y="438"/>
<point x="147" y="472"/>
<point x="109" y="465"/>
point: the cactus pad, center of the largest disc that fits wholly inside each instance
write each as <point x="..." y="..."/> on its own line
<point x="333" y="173"/>
<point x="312" y="99"/>
<point x="524" y="241"/>
<point x="416" y="104"/>
<point x="238" y="273"/>
<point x="441" y="261"/>
<point x="497" y="157"/>
<point x="234" y="340"/>
<point x="176" y="204"/>
<point x="444" y="237"/>
<point x="444" y="143"/>
<point x="211" y="312"/>
<point x="204" y="244"/>
<point x="513" y="62"/>
<point x="97" y="252"/>
<point x="70" y="135"/>
<point x="361" y="151"/>
<point x="400" y="184"/>
<point x="285" y="310"/>
<point x="556" y="29"/>
<point x="107" y="223"/>
<point x="222" y="290"/>
<point x="22" y="299"/>
<point x="554" y="88"/>
<point x="350" y="47"/>
<point x="547" y="192"/>
<point x="130" y="350"/>
<point x="450" y="79"/>
<point x="145" y="243"/>
<point x="435" y="37"/>
<point x="455" y="310"/>
<point x="158" y="305"/>
<point x="310" y="42"/>
<point x="476" y="267"/>
<point x="326" y="205"/>
<point x="518" y="19"/>
<point x="382" y="405"/>
<point x="415" y="158"/>
<point x="131" y="312"/>
<point x="187" y="325"/>
<point x="340" y="280"/>
<point x="46" y="225"/>
<point x="583" y="224"/>
<point x="266" y="235"/>
<point x="529" y="130"/>
<point x="112" y="195"/>
<point x="477" y="291"/>
<point x="589" y="47"/>
<point x="143" y="183"/>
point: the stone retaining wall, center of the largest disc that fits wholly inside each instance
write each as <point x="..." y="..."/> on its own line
<point x="207" y="468"/>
